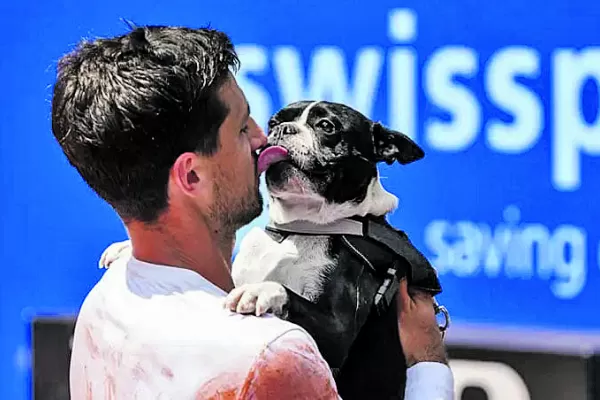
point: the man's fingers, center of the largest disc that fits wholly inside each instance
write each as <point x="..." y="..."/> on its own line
<point x="419" y="296"/>
<point x="416" y="301"/>
<point x="403" y="296"/>
<point x="424" y="302"/>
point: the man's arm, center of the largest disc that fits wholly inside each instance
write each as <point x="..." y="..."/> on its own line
<point x="290" y="367"/>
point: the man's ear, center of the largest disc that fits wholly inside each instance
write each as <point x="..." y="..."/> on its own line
<point x="184" y="172"/>
<point x="393" y="146"/>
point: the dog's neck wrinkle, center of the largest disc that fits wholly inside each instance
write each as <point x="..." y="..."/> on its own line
<point x="378" y="202"/>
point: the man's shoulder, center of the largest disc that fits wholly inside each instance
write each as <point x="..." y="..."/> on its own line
<point x="195" y="321"/>
<point x="256" y="333"/>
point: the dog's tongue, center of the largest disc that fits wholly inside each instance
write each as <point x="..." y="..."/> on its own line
<point x="270" y="156"/>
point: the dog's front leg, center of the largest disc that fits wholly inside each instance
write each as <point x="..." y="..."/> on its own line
<point x="113" y="252"/>
<point x="258" y="298"/>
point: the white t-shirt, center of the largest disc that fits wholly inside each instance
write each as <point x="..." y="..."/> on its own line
<point x="149" y="331"/>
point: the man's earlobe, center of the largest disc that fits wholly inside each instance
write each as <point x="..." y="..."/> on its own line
<point x="393" y="146"/>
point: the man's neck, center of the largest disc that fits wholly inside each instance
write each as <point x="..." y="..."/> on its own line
<point x="179" y="243"/>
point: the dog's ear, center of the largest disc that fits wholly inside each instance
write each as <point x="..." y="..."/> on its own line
<point x="393" y="146"/>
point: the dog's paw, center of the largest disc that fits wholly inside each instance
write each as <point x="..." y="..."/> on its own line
<point x="258" y="298"/>
<point x="113" y="252"/>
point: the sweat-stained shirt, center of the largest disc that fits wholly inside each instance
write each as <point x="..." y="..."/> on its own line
<point x="149" y="331"/>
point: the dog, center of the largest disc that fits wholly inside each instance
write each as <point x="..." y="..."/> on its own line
<point x="328" y="260"/>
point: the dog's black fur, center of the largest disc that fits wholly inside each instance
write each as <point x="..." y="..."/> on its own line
<point x="333" y="156"/>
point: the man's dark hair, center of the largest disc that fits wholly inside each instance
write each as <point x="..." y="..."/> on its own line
<point x="125" y="108"/>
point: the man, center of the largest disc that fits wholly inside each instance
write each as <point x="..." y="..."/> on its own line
<point x="156" y="124"/>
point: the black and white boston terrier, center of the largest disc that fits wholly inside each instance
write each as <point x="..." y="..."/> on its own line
<point x="328" y="260"/>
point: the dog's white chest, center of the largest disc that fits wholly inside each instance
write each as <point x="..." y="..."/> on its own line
<point x="302" y="260"/>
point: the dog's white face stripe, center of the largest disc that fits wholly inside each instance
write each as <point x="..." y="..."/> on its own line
<point x="307" y="140"/>
<point x="304" y="116"/>
<point x="304" y="142"/>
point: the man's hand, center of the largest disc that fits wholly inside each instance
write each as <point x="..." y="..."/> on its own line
<point x="420" y="335"/>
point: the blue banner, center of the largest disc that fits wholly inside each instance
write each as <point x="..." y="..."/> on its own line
<point x="503" y="98"/>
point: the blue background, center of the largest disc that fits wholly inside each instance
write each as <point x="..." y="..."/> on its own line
<point x="54" y="228"/>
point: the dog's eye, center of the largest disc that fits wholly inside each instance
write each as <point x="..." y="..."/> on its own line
<point x="272" y="123"/>
<point x="326" y="126"/>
